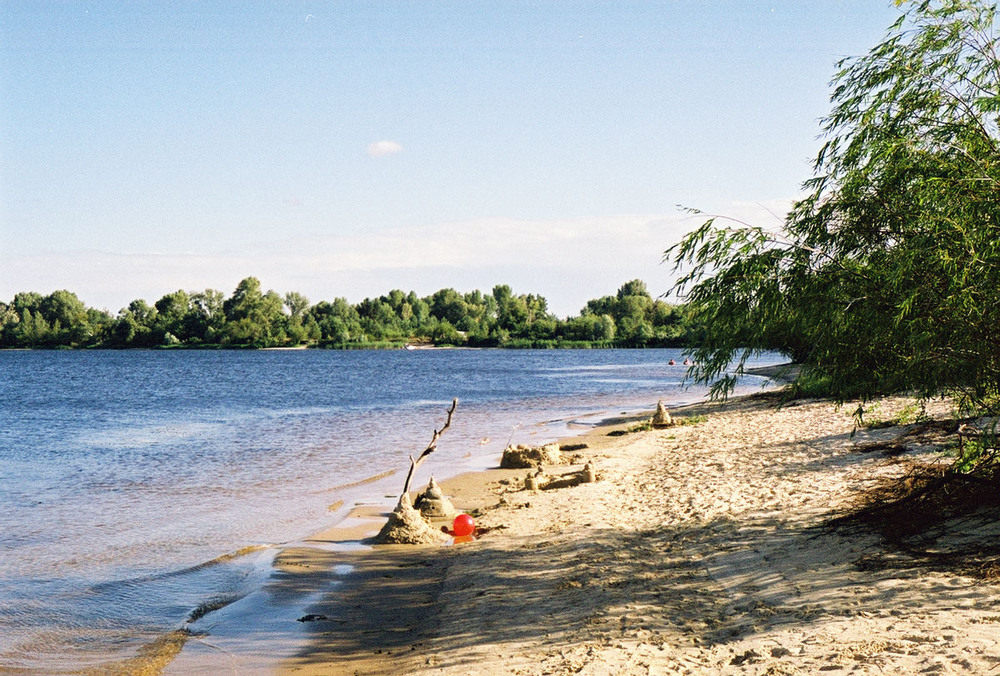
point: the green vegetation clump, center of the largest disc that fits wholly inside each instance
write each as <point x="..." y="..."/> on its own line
<point x="644" y="426"/>
<point x="885" y="277"/>
<point x="690" y="419"/>
<point x="974" y="455"/>
<point x="253" y="318"/>
<point x="911" y="413"/>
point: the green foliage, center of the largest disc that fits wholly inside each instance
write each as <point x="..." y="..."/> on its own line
<point x="57" y="320"/>
<point x="886" y="277"/>
<point x="690" y="419"/>
<point x="171" y="312"/>
<point x="296" y="304"/>
<point x="634" y="319"/>
<point x="979" y="455"/>
<point x="871" y="416"/>
<point x="810" y="384"/>
<point x="253" y="318"/>
<point x="644" y="426"/>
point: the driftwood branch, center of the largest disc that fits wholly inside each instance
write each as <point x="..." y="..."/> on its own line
<point x="431" y="447"/>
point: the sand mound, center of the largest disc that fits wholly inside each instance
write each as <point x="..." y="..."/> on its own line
<point x="433" y="503"/>
<point x="405" y="526"/>
<point x="540" y="481"/>
<point x="661" y="418"/>
<point x="525" y="457"/>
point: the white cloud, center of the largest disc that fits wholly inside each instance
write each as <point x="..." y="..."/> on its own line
<point x="383" y="148"/>
<point x="568" y="261"/>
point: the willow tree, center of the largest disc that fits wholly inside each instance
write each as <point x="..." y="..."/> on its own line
<point x="886" y="277"/>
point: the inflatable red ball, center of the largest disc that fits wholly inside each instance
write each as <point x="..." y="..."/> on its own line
<point x="463" y="525"/>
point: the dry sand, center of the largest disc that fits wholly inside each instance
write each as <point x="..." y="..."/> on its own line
<point x="701" y="550"/>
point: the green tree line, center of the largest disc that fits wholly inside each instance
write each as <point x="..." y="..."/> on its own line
<point x="251" y="317"/>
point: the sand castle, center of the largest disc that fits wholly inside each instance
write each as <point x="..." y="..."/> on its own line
<point x="433" y="503"/>
<point x="526" y="457"/>
<point x="661" y="418"/>
<point x="535" y="480"/>
<point x="540" y="481"/>
<point x="405" y="526"/>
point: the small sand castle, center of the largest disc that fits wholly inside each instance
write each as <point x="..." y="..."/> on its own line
<point x="405" y="526"/>
<point x="433" y="503"/>
<point x="535" y="480"/>
<point x="526" y="457"/>
<point x="540" y="481"/>
<point x="661" y="418"/>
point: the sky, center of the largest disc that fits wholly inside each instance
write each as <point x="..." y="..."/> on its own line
<point x="347" y="148"/>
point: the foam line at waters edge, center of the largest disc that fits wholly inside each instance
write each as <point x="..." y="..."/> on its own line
<point x="213" y="604"/>
<point x="604" y="418"/>
<point x="211" y="563"/>
<point x="361" y="482"/>
<point x="591" y="420"/>
<point x="153" y="657"/>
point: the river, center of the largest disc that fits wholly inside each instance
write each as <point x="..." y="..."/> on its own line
<point x="132" y="479"/>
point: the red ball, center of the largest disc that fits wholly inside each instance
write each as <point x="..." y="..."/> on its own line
<point x="463" y="525"/>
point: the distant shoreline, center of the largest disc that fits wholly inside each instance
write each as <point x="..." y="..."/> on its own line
<point x="781" y="373"/>
<point x="251" y="318"/>
<point x="537" y="345"/>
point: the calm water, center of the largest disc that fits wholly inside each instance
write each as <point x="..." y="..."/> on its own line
<point x="125" y="476"/>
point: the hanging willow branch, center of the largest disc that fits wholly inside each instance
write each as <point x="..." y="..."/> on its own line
<point x="430" y="448"/>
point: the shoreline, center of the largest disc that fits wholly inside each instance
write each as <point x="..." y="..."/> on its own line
<point x="196" y="588"/>
<point x="218" y="632"/>
<point x="337" y="560"/>
<point x="701" y="549"/>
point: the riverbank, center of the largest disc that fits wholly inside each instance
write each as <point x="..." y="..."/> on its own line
<point x="702" y="549"/>
<point x="237" y="449"/>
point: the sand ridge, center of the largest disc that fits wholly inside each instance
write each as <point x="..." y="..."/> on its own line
<point x="702" y="550"/>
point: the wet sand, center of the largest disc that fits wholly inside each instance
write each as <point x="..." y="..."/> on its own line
<point x="702" y="549"/>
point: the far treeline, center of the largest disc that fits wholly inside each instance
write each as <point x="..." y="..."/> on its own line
<point x="252" y="318"/>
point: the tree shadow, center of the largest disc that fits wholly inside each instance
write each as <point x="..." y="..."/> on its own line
<point x="698" y="583"/>
<point x="709" y="584"/>
<point x="931" y="518"/>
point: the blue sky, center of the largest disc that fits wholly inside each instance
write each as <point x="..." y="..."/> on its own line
<point x="348" y="148"/>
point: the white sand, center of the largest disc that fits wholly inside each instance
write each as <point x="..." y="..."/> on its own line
<point x="698" y="552"/>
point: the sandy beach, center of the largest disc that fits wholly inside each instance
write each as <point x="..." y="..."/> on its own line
<point x="704" y="548"/>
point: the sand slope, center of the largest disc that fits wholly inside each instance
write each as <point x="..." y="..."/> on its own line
<point x="701" y="550"/>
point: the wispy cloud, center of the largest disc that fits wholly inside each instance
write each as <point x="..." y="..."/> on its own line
<point x="569" y="261"/>
<point x="383" y="148"/>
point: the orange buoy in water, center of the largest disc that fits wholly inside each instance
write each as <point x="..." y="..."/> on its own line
<point x="463" y="525"/>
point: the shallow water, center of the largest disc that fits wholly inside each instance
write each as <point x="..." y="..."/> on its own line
<point x="127" y="475"/>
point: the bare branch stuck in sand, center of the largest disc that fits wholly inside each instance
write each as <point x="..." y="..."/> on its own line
<point x="405" y="524"/>
<point x="431" y="447"/>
